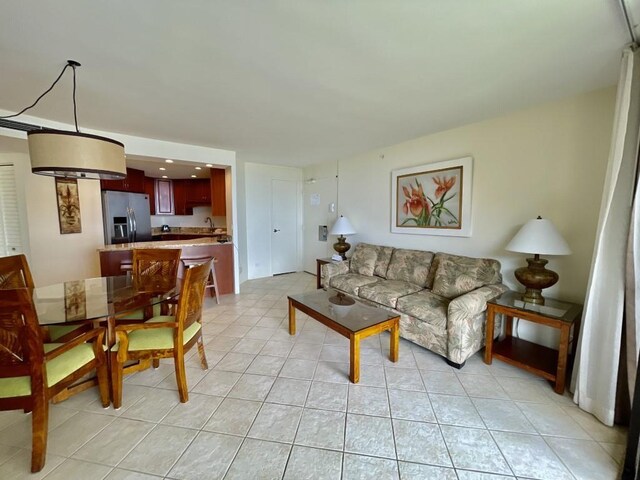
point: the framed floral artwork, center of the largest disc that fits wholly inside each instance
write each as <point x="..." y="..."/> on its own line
<point x="433" y="199"/>
<point x="68" y="205"/>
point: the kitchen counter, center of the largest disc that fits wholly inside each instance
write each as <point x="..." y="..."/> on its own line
<point x="112" y="257"/>
<point x="163" y="244"/>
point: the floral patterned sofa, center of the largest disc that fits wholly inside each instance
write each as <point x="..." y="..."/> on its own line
<point x="441" y="298"/>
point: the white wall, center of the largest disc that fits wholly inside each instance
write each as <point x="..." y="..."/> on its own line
<point x="320" y="181"/>
<point x="258" y="180"/>
<point x="549" y="160"/>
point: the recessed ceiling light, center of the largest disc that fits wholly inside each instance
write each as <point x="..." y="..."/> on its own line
<point x="169" y="161"/>
<point x="198" y="168"/>
<point x="162" y="168"/>
<point x="164" y="176"/>
<point x="209" y="165"/>
<point x="194" y="176"/>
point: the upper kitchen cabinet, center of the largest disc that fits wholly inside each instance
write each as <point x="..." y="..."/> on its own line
<point x="199" y="192"/>
<point x="133" y="182"/>
<point x="180" y="188"/>
<point x="150" y="189"/>
<point x="218" y="193"/>
<point x="164" y="197"/>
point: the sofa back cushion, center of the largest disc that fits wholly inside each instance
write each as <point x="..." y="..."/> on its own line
<point x="456" y="275"/>
<point x="363" y="260"/>
<point x="382" y="261"/>
<point x="410" y="266"/>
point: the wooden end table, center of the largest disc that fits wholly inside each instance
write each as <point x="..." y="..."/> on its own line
<point x="319" y="263"/>
<point x="350" y="318"/>
<point x="537" y="359"/>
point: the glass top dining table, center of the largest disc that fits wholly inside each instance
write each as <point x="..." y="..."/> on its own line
<point x="98" y="298"/>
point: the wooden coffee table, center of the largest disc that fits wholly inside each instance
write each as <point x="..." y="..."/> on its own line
<point x="350" y="318"/>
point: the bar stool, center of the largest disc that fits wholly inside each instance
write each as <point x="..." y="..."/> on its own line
<point x="212" y="281"/>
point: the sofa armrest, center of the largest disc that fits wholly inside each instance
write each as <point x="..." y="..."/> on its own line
<point x="474" y="302"/>
<point x="465" y="321"/>
<point x="332" y="269"/>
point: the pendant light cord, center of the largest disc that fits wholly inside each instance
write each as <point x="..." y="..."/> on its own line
<point x="73" y="65"/>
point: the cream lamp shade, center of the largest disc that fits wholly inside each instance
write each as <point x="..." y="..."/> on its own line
<point x="538" y="236"/>
<point x="342" y="227"/>
<point x="60" y="153"/>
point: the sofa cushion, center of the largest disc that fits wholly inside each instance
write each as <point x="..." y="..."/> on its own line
<point x="457" y="275"/>
<point x="387" y="292"/>
<point x="351" y="282"/>
<point x="382" y="261"/>
<point x="425" y="306"/>
<point x="363" y="260"/>
<point x="410" y="266"/>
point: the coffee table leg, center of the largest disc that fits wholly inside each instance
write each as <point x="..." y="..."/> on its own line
<point x="354" y="354"/>
<point x="292" y="319"/>
<point x="394" y="341"/>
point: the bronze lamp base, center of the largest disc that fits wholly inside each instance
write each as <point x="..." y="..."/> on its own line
<point x="341" y="246"/>
<point x="535" y="277"/>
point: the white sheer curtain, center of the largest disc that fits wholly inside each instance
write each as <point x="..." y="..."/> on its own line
<point x="596" y="371"/>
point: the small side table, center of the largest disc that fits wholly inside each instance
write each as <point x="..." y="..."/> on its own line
<point x="537" y="359"/>
<point x="319" y="263"/>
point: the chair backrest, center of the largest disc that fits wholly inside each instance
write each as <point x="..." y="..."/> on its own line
<point x="15" y="273"/>
<point x="189" y="308"/>
<point x="21" y="351"/>
<point x="156" y="265"/>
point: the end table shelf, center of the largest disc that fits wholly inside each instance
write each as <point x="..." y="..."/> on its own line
<point x="543" y="361"/>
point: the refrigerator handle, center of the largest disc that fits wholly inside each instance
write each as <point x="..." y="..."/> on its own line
<point x="134" y="223"/>
<point x="129" y="225"/>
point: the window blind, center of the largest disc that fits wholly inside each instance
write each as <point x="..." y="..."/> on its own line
<point x="10" y="238"/>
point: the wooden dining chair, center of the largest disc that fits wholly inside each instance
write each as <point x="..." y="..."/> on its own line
<point x="165" y="336"/>
<point x="33" y="372"/>
<point x="15" y="273"/>
<point x="154" y="267"/>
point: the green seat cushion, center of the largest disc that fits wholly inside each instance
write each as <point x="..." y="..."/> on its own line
<point x="57" y="331"/>
<point x="57" y="369"/>
<point x="139" y="314"/>
<point x="158" y="338"/>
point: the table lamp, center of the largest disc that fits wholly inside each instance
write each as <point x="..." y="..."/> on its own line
<point x="342" y="227"/>
<point x="538" y="237"/>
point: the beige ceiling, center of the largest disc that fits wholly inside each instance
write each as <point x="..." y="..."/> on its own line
<point x="300" y="82"/>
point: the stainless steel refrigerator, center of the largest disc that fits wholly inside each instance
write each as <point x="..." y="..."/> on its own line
<point x="126" y="217"/>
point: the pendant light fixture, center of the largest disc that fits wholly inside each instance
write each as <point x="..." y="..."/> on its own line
<point x="62" y="153"/>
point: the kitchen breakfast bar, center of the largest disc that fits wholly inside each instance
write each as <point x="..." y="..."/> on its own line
<point x="113" y="257"/>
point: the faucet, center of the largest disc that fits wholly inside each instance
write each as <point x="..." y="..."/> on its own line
<point x="208" y="219"/>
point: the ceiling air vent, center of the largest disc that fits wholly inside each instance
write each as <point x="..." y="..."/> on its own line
<point x="13" y="125"/>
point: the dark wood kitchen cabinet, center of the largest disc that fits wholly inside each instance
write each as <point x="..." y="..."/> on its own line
<point x="180" y="188"/>
<point x="199" y="192"/>
<point x="218" y="193"/>
<point x="150" y="189"/>
<point x="133" y="182"/>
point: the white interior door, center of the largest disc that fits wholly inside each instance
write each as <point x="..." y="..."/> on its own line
<point x="284" y="234"/>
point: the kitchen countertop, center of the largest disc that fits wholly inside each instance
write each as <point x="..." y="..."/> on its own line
<point x="163" y="244"/>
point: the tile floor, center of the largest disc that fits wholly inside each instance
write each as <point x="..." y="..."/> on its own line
<point x="273" y="406"/>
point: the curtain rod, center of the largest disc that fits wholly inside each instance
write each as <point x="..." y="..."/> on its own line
<point x="627" y="20"/>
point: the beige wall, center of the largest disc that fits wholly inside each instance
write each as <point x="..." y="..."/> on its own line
<point x="549" y="160"/>
<point x="54" y="257"/>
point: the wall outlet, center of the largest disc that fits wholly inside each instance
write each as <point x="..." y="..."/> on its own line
<point x="332" y="207"/>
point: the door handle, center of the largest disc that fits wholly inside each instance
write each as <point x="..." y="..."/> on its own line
<point x="134" y="224"/>
<point x="276" y="230"/>
<point x="129" y="225"/>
